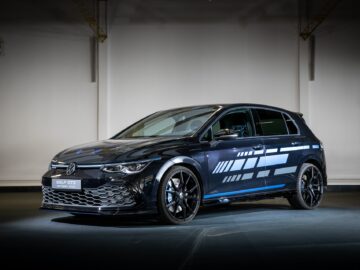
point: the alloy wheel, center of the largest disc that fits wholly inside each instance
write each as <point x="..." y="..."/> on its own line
<point x="311" y="186"/>
<point x="182" y="195"/>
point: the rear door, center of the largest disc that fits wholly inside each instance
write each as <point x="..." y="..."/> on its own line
<point x="283" y="146"/>
<point x="232" y="162"/>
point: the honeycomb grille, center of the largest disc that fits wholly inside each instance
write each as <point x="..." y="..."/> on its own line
<point x="107" y="195"/>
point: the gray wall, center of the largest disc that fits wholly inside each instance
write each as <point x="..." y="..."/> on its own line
<point x="48" y="102"/>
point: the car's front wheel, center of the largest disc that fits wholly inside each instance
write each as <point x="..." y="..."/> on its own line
<point x="309" y="189"/>
<point x="179" y="196"/>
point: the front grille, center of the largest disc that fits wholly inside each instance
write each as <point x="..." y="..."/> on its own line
<point x="106" y="195"/>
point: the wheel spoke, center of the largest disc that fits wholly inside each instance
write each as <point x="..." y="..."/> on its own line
<point x="176" y="208"/>
<point x="170" y="204"/>
<point x="173" y="184"/>
<point x="312" y="192"/>
<point x="187" y="181"/>
<point x="192" y="189"/>
<point x="183" y="210"/>
<point x="311" y="197"/>
<point x="181" y="183"/>
<point x="192" y="197"/>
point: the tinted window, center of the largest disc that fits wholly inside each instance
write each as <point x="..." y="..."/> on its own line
<point x="270" y="123"/>
<point x="238" y="121"/>
<point x="290" y="125"/>
<point x="178" y="122"/>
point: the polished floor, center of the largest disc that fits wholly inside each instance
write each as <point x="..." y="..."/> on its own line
<point x="248" y="234"/>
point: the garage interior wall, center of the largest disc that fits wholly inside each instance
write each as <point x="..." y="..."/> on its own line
<point x="48" y="102"/>
<point x="334" y="97"/>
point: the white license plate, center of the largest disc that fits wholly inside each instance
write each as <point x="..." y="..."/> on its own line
<point x="66" y="184"/>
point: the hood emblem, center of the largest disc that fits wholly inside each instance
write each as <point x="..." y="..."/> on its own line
<point x="71" y="168"/>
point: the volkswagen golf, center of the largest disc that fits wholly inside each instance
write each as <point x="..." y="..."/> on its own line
<point x="172" y="162"/>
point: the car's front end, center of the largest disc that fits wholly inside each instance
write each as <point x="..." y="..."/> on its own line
<point x="121" y="175"/>
<point x="109" y="189"/>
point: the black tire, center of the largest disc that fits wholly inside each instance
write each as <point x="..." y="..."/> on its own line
<point x="309" y="188"/>
<point x="179" y="196"/>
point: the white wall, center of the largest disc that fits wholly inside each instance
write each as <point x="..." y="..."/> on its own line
<point x="48" y="103"/>
<point x="335" y="99"/>
<point x="158" y="66"/>
<point x="47" y="100"/>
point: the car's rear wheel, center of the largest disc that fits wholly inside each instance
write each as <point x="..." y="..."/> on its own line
<point x="179" y="196"/>
<point x="309" y="188"/>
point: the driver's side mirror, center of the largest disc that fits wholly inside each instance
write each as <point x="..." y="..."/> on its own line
<point x="225" y="134"/>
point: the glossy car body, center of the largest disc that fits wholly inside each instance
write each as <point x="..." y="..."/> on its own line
<point x="255" y="165"/>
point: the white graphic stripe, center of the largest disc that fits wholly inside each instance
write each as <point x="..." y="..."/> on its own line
<point x="250" y="163"/>
<point x="221" y="163"/>
<point x="225" y="178"/>
<point x="223" y="167"/>
<point x="272" y="150"/>
<point x="237" y="165"/>
<point x="294" y="148"/>
<point x="217" y="166"/>
<point x="259" y="152"/>
<point x="229" y="165"/>
<point x="272" y="160"/>
<point x="238" y="177"/>
<point x="263" y="173"/>
<point x="233" y="178"/>
<point x="247" y="176"/>
<point x="285" y="170"/>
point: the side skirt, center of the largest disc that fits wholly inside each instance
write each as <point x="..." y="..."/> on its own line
<point x="249" y="197"/>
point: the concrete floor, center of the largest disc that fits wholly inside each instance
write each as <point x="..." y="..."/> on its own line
<point x="263" y="233"/>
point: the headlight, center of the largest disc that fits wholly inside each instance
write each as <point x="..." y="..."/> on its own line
<point x="127" y="168"/>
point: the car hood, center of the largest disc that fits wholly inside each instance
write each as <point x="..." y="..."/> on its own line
<point x="108" y="151"/>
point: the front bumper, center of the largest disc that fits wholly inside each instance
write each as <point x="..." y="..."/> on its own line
<point x="101" y="193"/>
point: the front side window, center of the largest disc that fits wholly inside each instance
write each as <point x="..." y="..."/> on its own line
<point x="178" y="122"/>
<point x="237" y="122"/>
<point x="269" y="123"/>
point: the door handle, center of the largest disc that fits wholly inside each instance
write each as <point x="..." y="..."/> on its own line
<point x="295" y="143"/>
<point x="258" y="147"/>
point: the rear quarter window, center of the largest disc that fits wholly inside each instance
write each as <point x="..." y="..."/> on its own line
<point x="269" y="123"/>
<point x="290" y="124"/>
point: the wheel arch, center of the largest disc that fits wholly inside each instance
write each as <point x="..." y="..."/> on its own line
<point x="315" y="161"/>
<point x="185" y="161"/>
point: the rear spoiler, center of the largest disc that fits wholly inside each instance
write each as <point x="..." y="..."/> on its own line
<point x="301" y="116"/>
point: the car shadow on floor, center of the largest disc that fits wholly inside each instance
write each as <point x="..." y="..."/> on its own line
<point x="204" y="214"/>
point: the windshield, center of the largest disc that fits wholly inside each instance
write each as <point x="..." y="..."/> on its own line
<point x="179" y="122"/>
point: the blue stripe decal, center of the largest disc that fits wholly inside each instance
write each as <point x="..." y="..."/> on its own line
<point x="209" y="196"/>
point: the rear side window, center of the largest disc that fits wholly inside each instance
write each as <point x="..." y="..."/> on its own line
<point x="290" y="124"/>
<point x="269" y="123"/>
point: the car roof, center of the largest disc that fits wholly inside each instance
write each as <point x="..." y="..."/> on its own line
<point x="231" y="105"/>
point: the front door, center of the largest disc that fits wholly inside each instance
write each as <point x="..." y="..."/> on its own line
<point x="233" y="155"/>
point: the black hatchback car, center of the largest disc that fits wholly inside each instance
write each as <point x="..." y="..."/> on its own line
<point x="173" y="161"/>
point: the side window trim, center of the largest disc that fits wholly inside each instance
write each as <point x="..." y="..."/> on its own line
<point x="286" y="125"/>
<point x="294" y="122"/>
<point x="231" y="110"/>
<point x="251" y="108"/>
<point x="282" y="112"/>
